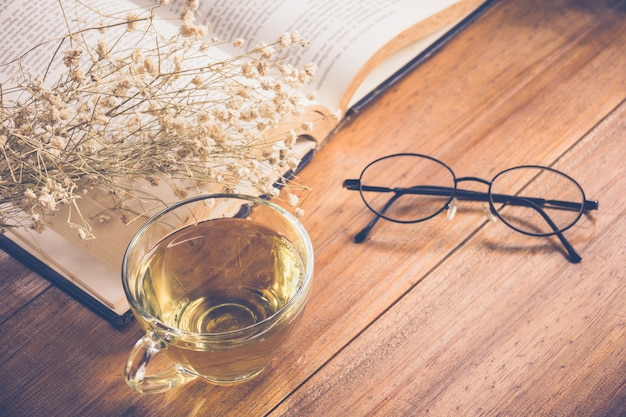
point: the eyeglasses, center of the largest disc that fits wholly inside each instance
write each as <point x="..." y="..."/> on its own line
<point x="533" y="200"/>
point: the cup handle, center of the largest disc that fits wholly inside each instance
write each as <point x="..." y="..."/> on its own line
<point x="140" y="356"/>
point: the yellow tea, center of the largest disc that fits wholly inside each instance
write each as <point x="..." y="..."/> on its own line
<point x="221" y="277"/>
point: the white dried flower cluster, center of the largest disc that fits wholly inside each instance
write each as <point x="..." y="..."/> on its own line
<point x="160" y="114"/>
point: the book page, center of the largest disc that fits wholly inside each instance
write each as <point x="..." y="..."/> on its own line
<point x="36" y="29"/>
<point x="344" y="35"/>
<point x="101" y="281"/>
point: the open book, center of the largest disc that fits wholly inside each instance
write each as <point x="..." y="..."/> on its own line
<point x="359" y="46"/>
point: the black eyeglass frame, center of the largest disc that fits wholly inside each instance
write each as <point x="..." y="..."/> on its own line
<point x="453" y="192"/>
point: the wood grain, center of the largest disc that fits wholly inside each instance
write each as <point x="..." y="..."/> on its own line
<point x="479" y="336"/>
<point x="438" y="318"/>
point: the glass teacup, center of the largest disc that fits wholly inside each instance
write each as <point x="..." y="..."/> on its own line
<point x="217" y="282"/>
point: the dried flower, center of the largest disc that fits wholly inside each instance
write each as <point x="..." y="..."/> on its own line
<point x="102" y="49"/>
<point x="77" y="75"/>
<point x="292" y="200"/>
<point x="131" y="19"/>
<point x="71" y="57"/>
<point x="191" y="4"/>
<point x="127" y="116"/>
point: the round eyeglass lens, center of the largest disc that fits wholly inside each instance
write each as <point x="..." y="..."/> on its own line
<point x="407" y="188"/>
<point x="537" y="201"/>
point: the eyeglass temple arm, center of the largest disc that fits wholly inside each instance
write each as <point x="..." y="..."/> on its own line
<point x="362" y="235"/>
<point x="588" y="205"/>
<point x="573" y="255"/>
<point x="534" y="203"/>
<point x="355" y="185"/>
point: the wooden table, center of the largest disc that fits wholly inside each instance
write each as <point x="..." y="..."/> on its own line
<point x="438" y="318"/>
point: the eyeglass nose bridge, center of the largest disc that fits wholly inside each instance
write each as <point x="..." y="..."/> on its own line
<point x="475" y="179"/>
<point x="451" y="207"/>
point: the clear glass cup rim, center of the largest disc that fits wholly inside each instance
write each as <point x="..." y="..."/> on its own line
<point x="162" y="328"/>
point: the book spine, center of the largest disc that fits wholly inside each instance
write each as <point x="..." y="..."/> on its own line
<point x="63" y="283"/>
